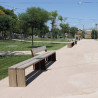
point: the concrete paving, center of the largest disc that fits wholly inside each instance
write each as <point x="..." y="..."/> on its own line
<point x="15" y="52"/>
<point x="73" y="75"/>
<point x="42" y="41"/>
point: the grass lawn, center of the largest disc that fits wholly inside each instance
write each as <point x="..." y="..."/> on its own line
<point x="27" y="46"/>
<point x="7" y="61"/>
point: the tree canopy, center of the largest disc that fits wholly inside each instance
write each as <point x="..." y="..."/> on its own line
<point x="94" y="34"/>
<point x="7" y="20"/>
<point x="34" y="21"/>
<point x="34" y="17"/>
<point x="73" y="31"/>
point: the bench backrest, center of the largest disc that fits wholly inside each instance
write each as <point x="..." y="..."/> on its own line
<point x="39" y="49"/>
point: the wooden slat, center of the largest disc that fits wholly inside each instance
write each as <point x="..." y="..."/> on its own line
<point x="21" y="63"/>
<point x="29" y="63"/>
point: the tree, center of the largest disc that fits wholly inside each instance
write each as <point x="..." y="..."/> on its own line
<point x="23" y="23"/>
<point x="60" y="18"/>
<point x="64" y="29"/>
<point x="73" y="31"/>
<point x="63" y="26"/>
<point x="53" y="16"/>
<point x="8" y="20"/>
<point x="1" y="12"/>
<point x="13" y="21"/>
<point x="94" y="34"/>
<point x="44" y="30"/>
<point x="37" y="18"/>
<point x="55" y="33"/>
<point x="4" y="24"/>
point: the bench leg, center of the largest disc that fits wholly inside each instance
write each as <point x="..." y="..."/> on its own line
<point x="37" y="66"/>
<point x="33" y="66"/>
<point x="12" y="78"/>
<point x="21" y="78"/>
<point x="46" y="59"/>
<point x="54" y="57"/>
<point x="50" y="58"/>
<point x="40" y="65"/>
<point x="72" y="44"/>
<point x="75" y="42"/>
<point x="43" y="67"/>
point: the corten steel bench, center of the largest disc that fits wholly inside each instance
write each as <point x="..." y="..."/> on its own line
<point x="70" y="44"/>
<point x="17" y="72"/>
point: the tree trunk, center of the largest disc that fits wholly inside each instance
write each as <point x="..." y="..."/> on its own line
<point x="5" y="35"/>
<point x="32" y="37"/>
<point x="10" y="37"/>
<point x="2" y="35"/>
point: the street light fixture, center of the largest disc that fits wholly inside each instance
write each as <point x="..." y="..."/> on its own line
<point x="79" y="3"/>
<point x="14" y="9"/>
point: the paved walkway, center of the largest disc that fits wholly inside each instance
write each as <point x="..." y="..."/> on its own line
<point x="73" y="75"/>
<point x="15" y="52"/>
<point x="42" y="41"/>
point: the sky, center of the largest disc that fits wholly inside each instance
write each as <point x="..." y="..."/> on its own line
<point x="79" y="13"/>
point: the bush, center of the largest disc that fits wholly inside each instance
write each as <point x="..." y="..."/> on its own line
<point x="94" y="34"/>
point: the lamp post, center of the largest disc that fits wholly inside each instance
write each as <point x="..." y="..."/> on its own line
<point x="80" y="3"/>
<point x="83" y="27"/>
<point x="96" y="25"/>
<point x="94" y="34"/>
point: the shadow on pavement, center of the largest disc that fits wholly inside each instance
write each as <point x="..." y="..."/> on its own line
<point x="33" y="75"/>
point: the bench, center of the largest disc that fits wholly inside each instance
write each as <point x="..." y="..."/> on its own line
<point x="17" y="72"/>
<point x="75" y="41"/>
<point x="38" y="63"/>
<point x="70" y="44"/>
<point x="12" y="72"/>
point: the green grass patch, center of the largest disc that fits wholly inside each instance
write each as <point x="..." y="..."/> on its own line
<point x="9" y="60"/>
<point x="27" y="46"/>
